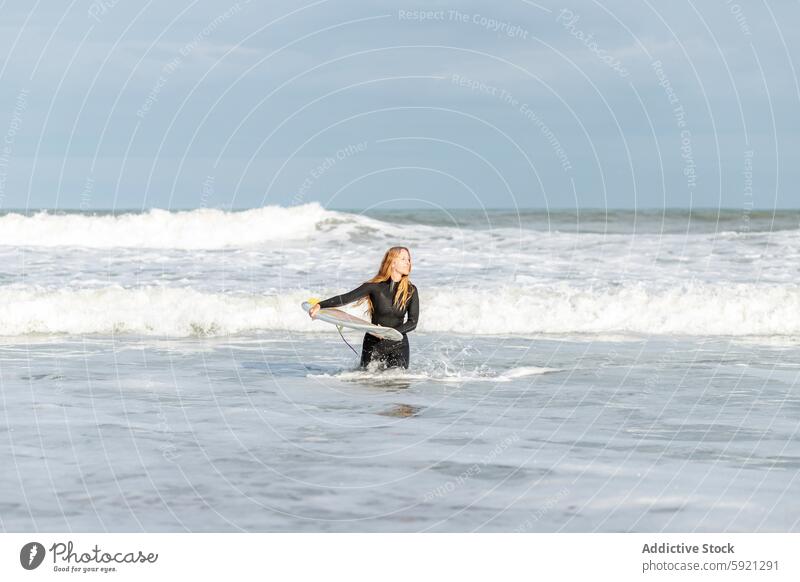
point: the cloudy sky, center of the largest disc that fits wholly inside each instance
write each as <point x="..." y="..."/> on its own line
<point x="185" y="104"/>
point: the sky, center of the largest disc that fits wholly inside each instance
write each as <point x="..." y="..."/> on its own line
<point x="115" y="104"/>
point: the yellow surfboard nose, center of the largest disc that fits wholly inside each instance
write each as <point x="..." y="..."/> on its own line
<point x="312" y="300"/>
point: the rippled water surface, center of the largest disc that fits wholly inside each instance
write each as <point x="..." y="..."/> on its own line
<point x="277" y="432"/>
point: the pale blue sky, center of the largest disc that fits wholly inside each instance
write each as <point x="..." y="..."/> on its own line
<point x="183" y="104"/>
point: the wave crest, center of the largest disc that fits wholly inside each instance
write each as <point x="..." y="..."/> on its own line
<point x="701" y="310"/>
<point x="204" y="228"/>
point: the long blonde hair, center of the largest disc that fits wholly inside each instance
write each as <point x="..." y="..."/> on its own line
<point x="404" y="290"/>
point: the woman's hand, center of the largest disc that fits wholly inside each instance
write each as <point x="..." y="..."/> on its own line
<point x="312" y="313"/>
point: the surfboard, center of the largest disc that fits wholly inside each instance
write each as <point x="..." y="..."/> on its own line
<point x="342" y="319"/>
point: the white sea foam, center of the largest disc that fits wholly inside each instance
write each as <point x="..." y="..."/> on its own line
<point x="524" y="371"/>
<point x="702" y="309"/>
<point x="699" y="309"/>
<point x="307" y="246"/>
<point x="438" y="375"/>
<point x="203" y="228"/>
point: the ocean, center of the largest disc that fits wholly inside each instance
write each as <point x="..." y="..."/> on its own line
<point x="611" y="371"/>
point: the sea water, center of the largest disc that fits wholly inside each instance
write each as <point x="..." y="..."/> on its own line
<point x="571" y="371"/>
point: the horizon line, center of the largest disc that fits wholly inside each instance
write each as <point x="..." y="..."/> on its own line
<point x="352" y="209"/>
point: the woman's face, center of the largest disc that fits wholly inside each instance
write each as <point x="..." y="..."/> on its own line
<point x="402" y="263"/>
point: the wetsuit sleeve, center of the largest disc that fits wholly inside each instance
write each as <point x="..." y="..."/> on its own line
<point x="413" y="314"/>
<point x="346" y="298"/>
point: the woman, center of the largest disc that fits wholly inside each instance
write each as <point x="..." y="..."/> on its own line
<point x="389" y="296"/>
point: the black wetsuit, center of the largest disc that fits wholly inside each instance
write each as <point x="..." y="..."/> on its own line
<point x="391" y="353"/>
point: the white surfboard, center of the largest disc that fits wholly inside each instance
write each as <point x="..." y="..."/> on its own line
<point x="342" y="319"/>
